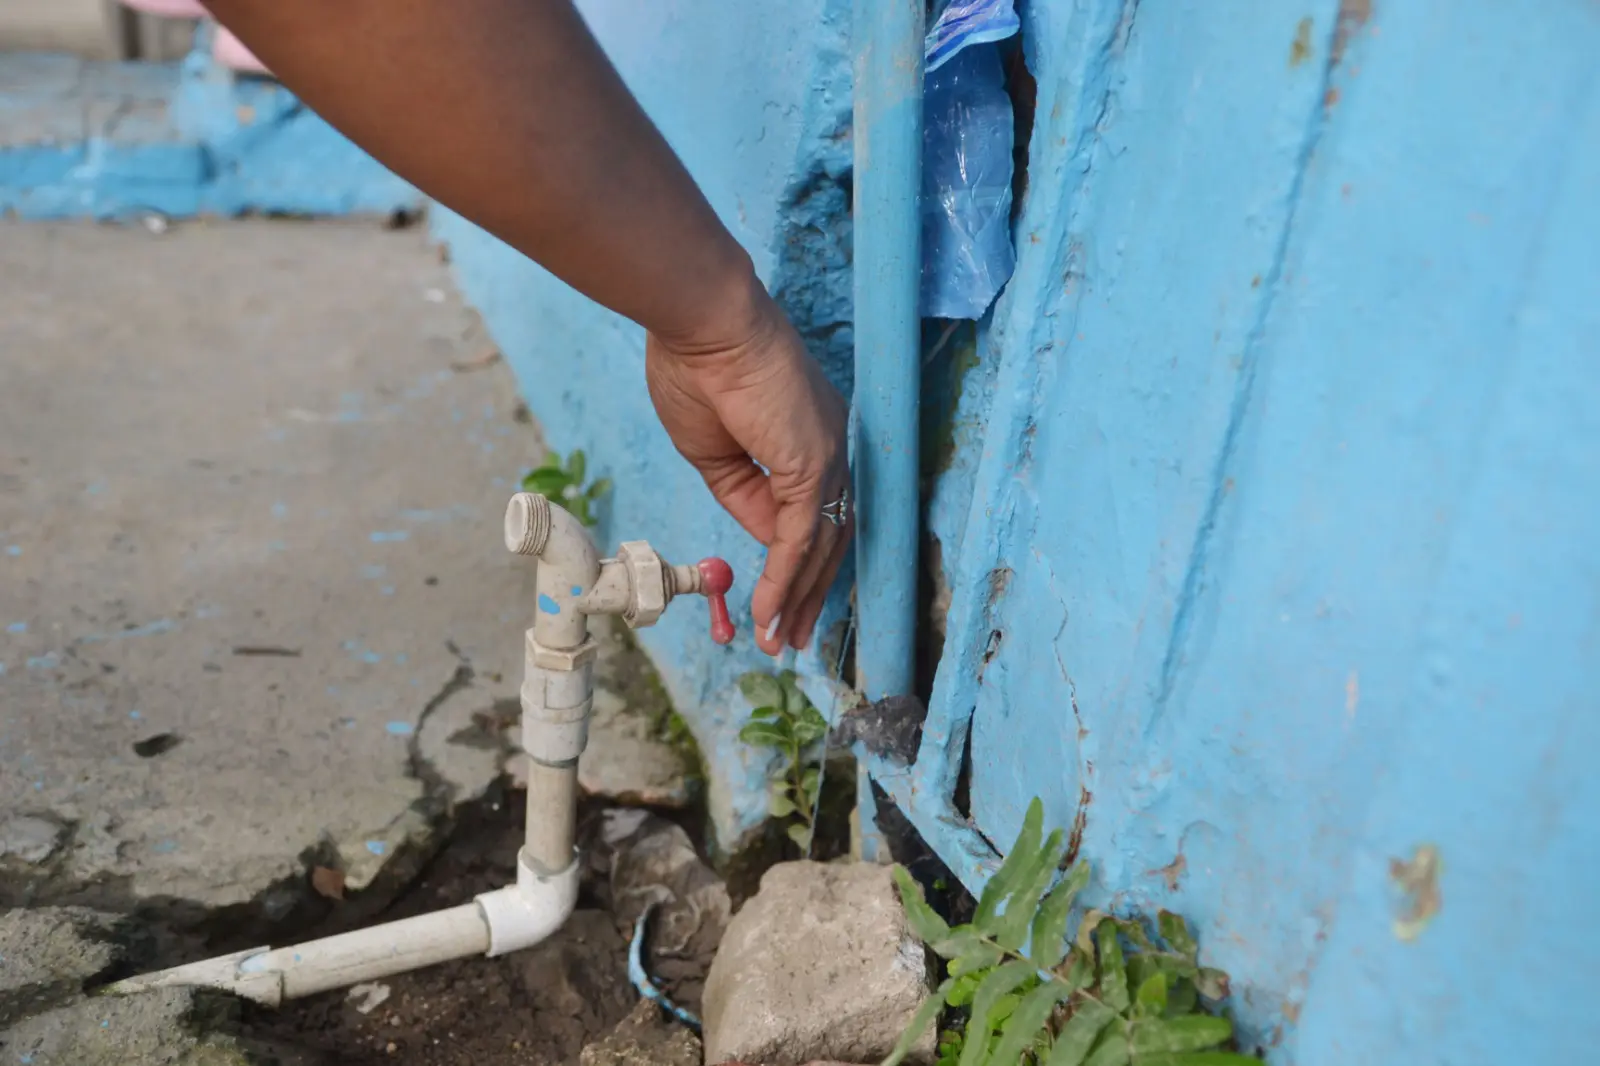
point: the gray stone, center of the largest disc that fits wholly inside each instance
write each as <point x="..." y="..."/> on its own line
<point x="627" y="761"/>
<point x="653" y="861"/>
<point x="819" y="965"/>
<point x="165" y="1027"/>
<point x="30" y="838"/>
<point x="249" y="532"/>
<point x="644" y="1038"/>
<point x="47" y="955"/>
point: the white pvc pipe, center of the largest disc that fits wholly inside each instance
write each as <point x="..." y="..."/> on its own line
<point x="557" y="698"/>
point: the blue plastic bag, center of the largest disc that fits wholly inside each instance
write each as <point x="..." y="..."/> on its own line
<point x="967" y="136"/>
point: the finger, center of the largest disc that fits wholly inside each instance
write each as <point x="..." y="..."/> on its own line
<point x="813" y="574"/>
<point x="792" y="543"/>
<point x="744" y="492"/>
<point x="805" y="620"/>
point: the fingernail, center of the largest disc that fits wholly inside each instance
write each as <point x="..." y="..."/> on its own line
<point x="772" y="628"/>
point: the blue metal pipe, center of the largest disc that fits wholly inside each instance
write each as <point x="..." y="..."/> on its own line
<point x="887" y="233"/>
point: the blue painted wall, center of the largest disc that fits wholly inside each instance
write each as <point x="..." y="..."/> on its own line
<point x="1268" y="496"/>
<point x="1276" y="509"/>
<point x="84" y="139"/>
<point x="756" y="100"/>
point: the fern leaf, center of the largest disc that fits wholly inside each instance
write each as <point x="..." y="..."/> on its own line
<point x="1088" y="1021"/>
<point x="1023" y="905"/>
<point x="979" y="955"/>
<point x="1047" y="946"/>
<point x="920" y="1021"/>
<point x="1022" y="854"/>
<point x="1091" y="921"/>
<point x="1200" y="1058"/>
<point x="1197" y="1032"/>
<point x="1113" y="972"/>
<point x="924" y="921"/>
<point x="1026" y="1022"/>
<point x="1112" y="1051"/>
<point x="999" y="981"/>
<point x="1151" y="999"/>
<point x="1175" y="931"/>
<point x="1181" y="998"/>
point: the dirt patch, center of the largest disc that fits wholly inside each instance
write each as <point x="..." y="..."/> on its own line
<point x="540" y="1007"/>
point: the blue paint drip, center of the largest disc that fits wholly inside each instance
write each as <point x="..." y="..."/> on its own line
<point x="547" y="605"/>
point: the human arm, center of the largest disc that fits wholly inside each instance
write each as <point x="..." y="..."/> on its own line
<point x="508" y="112"/>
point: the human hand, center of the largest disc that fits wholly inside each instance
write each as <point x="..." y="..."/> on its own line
<point x="743" y="392"/>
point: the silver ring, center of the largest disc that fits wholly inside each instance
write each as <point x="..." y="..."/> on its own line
<point x="838" y="511"/>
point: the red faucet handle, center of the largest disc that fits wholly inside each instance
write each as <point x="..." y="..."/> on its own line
<point x="716" y="579"/>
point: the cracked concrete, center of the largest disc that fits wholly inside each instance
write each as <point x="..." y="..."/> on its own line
<point x="251" y="479"/>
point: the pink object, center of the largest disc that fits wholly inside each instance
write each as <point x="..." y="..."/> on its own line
<point x="169" y="9"/>
<point x="716" y="578"/>
<point x="229" y="51"/>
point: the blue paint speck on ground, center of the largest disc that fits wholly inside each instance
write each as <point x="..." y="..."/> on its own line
<point x="13" y="549"/>
<point x="399" y="729"/>
<point x="43" y="662"/>
<point x="2" y="668"/>
<point x="377" y="847"/>
<point x="388" y="536"/>
<point x="371" y="657"/>
<point x="387" y="590"/>
<point x="208" y="612"/>
<point x="17" y="627"/>
<point x="547" y="605"/>
<point x="279" y="510"/>
<point x="164" y="847"/>
<point x="333" y="690"/>
<point x="400" y="658"/>
<point x="135" y="715"/>
<point x="350" y="645"/>
<point x="277" y="546"/>
<point x="373" y="571"/>
<point x="96" y="489"/>
<point x="577" y="590"/>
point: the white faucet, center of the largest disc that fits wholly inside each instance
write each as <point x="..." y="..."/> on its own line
<point x="572" y="582"/>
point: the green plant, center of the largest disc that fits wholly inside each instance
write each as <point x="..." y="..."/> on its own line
<point x="1116" y="995"/>
<point x="785" y="721"/>
<point x="561" y="482"/>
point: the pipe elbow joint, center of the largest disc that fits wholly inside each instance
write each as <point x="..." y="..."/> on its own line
<point x="521" y="915"/>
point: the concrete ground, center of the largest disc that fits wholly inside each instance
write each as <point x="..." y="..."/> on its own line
<point x="252" y="584"/>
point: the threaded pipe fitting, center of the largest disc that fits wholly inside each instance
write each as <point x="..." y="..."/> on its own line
<point x="527" y="523"/>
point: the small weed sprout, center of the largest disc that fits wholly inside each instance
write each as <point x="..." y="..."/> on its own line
<point x="561" y="482"/>
<point x="785" y="721"/>
<point x="1118" y="994"/>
